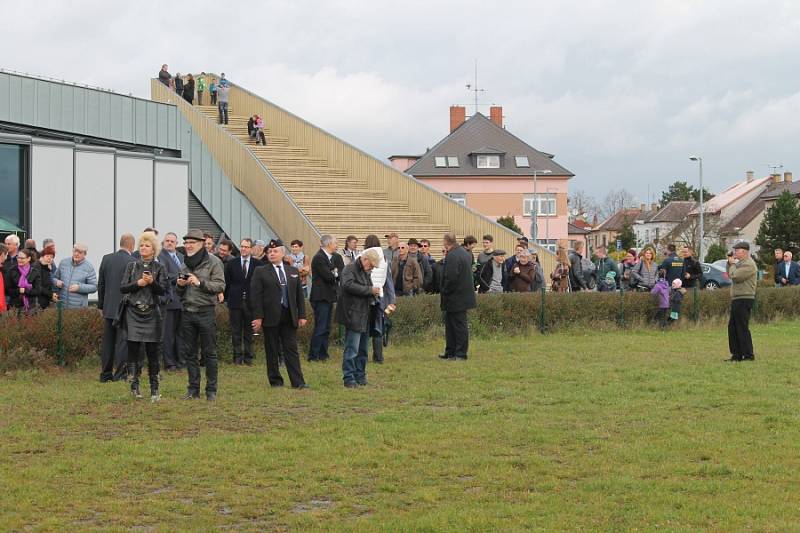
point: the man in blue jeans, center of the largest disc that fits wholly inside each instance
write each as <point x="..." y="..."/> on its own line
<point x="353" y="312"/>
<point x="222" y="101"/>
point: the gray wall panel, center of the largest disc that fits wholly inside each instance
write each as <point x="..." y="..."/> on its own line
<point x="94" y="202"/>
<point x="42" y="96"/>
<point x="5" y="97"/>
<point x="52" y="195"/>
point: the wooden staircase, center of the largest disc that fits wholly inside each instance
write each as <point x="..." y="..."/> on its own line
<point x="336" y="202"/>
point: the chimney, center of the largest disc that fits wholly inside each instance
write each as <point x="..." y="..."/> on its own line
<point x="787" y="177"/>
<point x="749" y="176"/>
<point x="496" y="115"/>
<point x="776" y="178"/>
<point x="653" y="207"/>
<point x="458" y="115"/>
<point x="642" y="207"/>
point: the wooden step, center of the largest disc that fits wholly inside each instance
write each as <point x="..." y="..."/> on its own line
<point x="354" y="215"/>
<point x="302" y="195"/>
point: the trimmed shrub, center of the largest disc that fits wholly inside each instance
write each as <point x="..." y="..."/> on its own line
<point x="31" y="341"/>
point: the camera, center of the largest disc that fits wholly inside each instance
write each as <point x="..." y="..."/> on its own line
<point x="730" y="254"/>
<point x="183" y="276"/>
<point x="146" y="273"/>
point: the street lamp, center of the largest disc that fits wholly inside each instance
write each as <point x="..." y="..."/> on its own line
<point x="700" y="160"/>
<point x="535" y="207"/>
<point x="547" y="220"/>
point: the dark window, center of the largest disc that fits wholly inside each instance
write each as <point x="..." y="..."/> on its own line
<point x="12" y="184"/>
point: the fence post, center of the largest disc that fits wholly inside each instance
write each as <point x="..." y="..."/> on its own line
<point x="542" y="326"/>
<point x="622" y="305"/>
<point x="696" y="303"/>
<point x="60" y="332"/>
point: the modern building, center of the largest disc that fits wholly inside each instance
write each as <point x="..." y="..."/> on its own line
<point x="80" y="164"/>
<point x="483" y="166"/>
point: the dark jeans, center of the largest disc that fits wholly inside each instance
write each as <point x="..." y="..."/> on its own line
<point x="135" y="358"/>
<point x="283" y="339"/>
<point x="223" y="112"/>
<point x="354" y="360"/>
<point x="199" y="97"/>
<point x="661" y="317"/>
<point x="318" y="348"/>
<point x="377" y="349"/>
<point x="214" y="98"/>
<point x="241" y="332"/>
<point x="172" y="344"/>
<point x="113" y="353"/>
<point x="456" y="334"/>
<point x="739" y="340"/>
<point x="200" y="324"/>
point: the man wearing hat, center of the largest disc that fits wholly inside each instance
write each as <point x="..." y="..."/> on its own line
<point x="200" y="280"/>
<point x="278" y="305"/>
<point x="493" y="275"/>
<point x="742" y="271"/>
<point x="391" y="251"/>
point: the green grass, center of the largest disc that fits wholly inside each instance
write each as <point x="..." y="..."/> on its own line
<point x="635" y="430"/>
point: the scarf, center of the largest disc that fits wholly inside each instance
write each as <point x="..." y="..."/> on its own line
<point x="193" y="261"/>
<point x="298" y="260"/>
<point x="25" y="284"/>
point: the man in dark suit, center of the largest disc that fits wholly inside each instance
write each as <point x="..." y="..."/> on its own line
<point x="457" y="297"/>
<point x="277" y="303"/>
<point x="172" y="344"/>
<point x="787" y="272"/>
<point x="325" y="271"/>
<point x="238" y="276"/>
<point x="113" y="349"/>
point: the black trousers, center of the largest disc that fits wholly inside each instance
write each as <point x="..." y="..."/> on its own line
<point x="241" y="333"/>
<point x="456" y="334"/>
<point x="135" y="358"/>
<point x="200" y="325"/>
<point x="113" y="353"/>
<point x="377" y="349"/>
<point x="739" y="340"/>
<point x="284" y="335"/>
<point x="172" y="342"/>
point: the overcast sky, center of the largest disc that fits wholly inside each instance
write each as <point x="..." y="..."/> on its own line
<point x="621" y="92"/>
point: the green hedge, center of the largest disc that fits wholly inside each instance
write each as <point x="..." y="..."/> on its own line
<point x="32" y="341"/>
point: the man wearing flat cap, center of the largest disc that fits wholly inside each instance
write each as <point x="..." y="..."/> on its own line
<point x="200" y="280"/>
<point x="493" y="277"/>
<point x="742" y="271"/>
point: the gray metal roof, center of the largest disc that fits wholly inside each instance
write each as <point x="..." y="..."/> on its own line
<point x="477" y="135"/>
<point x="674" y="211"/>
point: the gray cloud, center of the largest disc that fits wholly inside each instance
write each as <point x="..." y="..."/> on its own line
<point x="621" y="92"/>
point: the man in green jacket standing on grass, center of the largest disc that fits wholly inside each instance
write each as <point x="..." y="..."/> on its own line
<point x="742" y="271"/>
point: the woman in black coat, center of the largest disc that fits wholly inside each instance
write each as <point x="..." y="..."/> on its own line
<point x="24" y="282"/>
<point x="44" y="266"/>
<point x="188" y="89"/>
<point x="142" y="284"/>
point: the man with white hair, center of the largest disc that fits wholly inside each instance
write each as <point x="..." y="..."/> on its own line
<point x="76" y="278"/>
<point x="353" y="312"/>
<point x="12" y="247"/>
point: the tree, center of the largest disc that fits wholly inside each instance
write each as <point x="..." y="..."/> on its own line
<point x="780" y="228"/>
<point x="681" y="191"/>
<point x="614" y="201"/>
<point x="687" y="232"/>
<point x="715" y="253"/>
<point x="508" y="221"/>
<point x="583" y="204"/>
<point x="626" y="236"/>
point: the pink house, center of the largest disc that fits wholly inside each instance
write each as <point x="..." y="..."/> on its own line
<point x="483" y="166"/>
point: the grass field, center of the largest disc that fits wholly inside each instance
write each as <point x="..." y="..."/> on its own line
<point x="567" y="432"/>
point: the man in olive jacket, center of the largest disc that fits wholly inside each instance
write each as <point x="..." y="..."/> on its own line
<point x="457" y="297"/>
<point x="200" y="280"/>
<point x="742" y="271"/>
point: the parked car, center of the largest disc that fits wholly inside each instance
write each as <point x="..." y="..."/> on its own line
<point x="714" y="277"/>
<point x="720" y="263"/>
<point x="589" y="273"/>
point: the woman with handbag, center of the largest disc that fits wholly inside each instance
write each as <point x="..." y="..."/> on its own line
<point x="560" y="275"/>
<point x="142" y="284"/>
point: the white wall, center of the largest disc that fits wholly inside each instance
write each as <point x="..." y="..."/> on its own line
<point x="134" y="195"/>
<point x="171" y="197"/>
<point x="52" y="197"/>
<point x="94" y="203"/>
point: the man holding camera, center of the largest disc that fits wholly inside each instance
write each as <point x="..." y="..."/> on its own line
<point x="742" y="271"/>
<point x="200" y="280"/>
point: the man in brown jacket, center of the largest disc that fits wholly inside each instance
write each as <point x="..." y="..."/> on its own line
<point x="742" y="271"/>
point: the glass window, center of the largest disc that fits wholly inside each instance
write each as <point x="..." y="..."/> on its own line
<point x="488" y="161"/>
<point x="12" y="179"/>
<point x="452" y="161"/>
<point x="440" y="161"/>
<point x="459" y="197"/>
<point x="522" y="161"/>
<point x="547" y="204"/>
<point x="549" y="244"/>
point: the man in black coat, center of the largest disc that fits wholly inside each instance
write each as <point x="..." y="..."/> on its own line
<point x="325" y="271"/>
<point x="692" y="271"/>
<point x="277" y="303"/>
<point x="353" y="312"/>
<point x="172" y="344"/>
<point x="457" y="297"/>
<point x="113" y="349"/>
<point x="238" y="276"/>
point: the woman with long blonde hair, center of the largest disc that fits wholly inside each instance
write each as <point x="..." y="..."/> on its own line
<point x="560" y="275"/>
<point x="645" y="274"/>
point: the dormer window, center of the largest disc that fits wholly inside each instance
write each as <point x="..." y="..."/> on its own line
<point x="522" y="161"/>
<point x="452" y="161"/>
<point x="488" y="161"/>
<point x="440" y="161"/>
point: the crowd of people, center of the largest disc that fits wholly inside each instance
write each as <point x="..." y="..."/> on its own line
<point x="193" y="89"/>
<point x="158" y="299"/>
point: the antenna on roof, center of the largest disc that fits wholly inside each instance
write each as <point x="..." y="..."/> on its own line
<point x="774" y="168"/>
<point x="474" y="88"/>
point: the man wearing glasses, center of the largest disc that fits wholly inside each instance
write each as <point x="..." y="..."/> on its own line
<point x="75" y="278"/>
